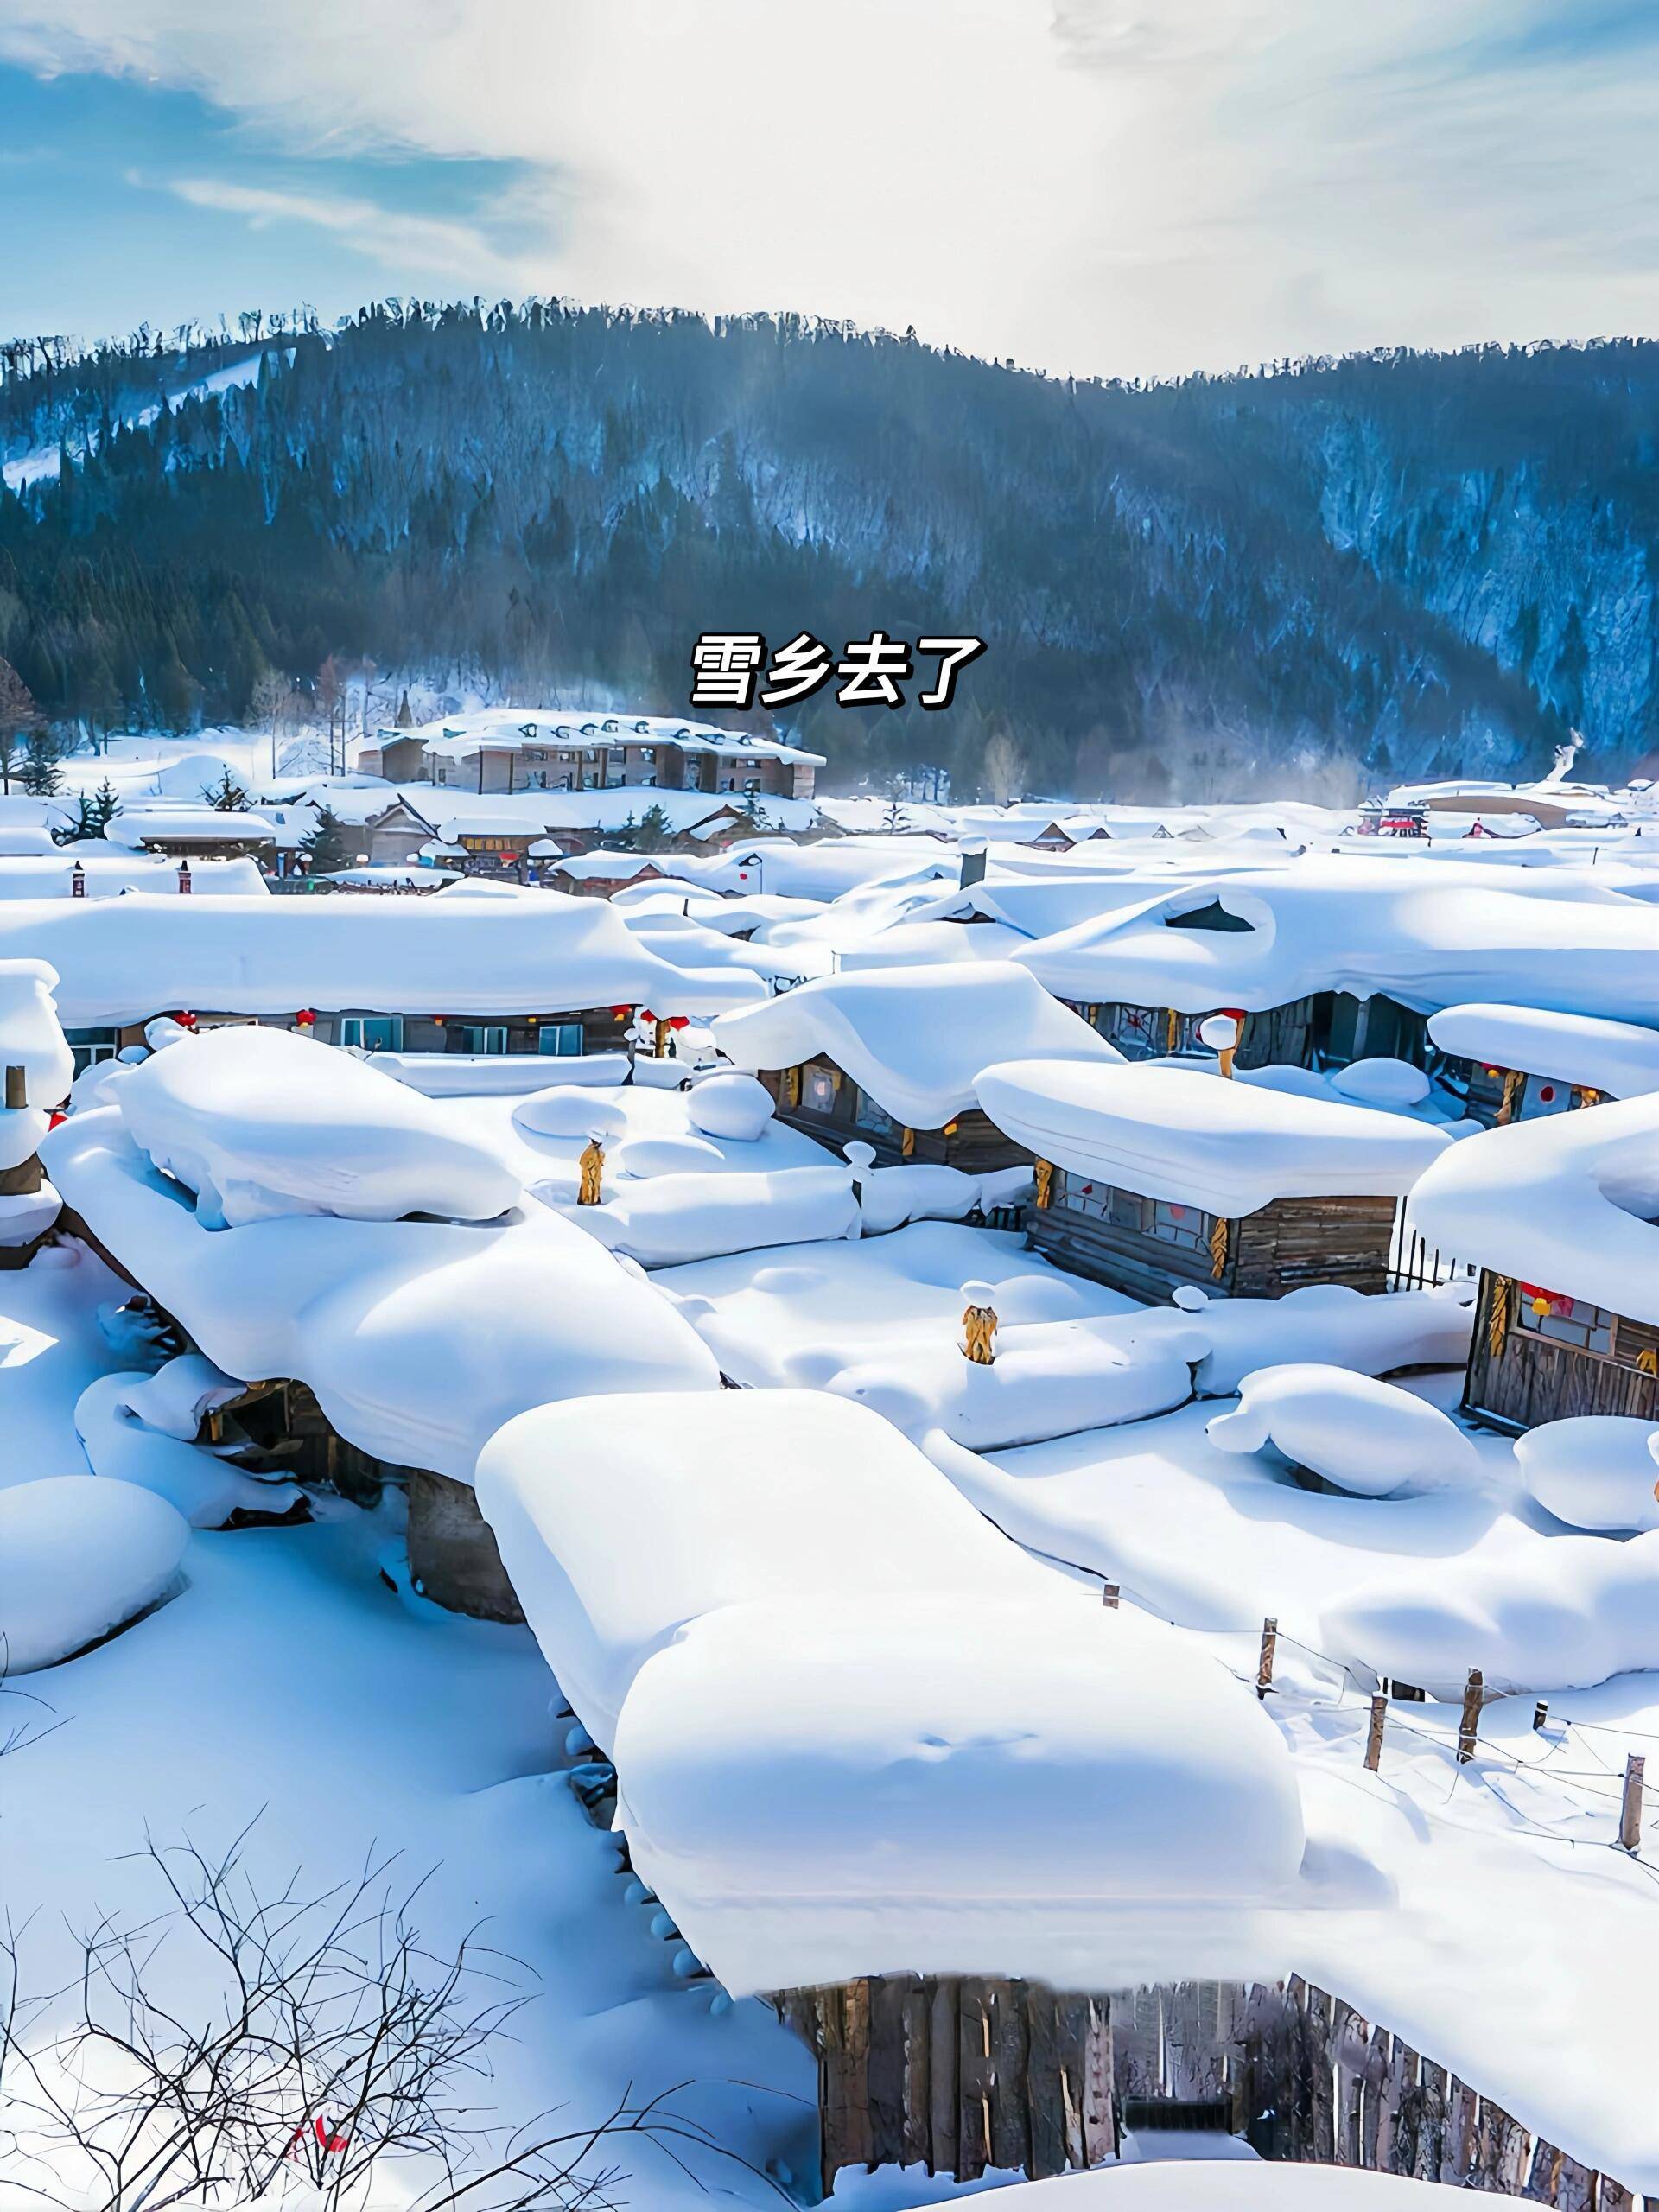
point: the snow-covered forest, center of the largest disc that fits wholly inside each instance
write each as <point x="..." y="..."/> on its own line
<point x="1392" y="563"/>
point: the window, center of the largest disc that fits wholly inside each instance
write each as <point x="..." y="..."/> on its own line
<point x="563" y="1038"/>
<point x="372" y="1033"/>
<point x="1186" y="1227"/>
<point x="91" y="1045"/>
<point x="818" y="1089"/>
<point x="647" y="753"/>
<point x="871" y="1114"/>
<point x="1541" y="1096"/>
<point x="1563" y="1320"/>
<point x="1137" y="1030"/>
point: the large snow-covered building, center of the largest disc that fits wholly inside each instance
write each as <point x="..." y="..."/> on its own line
<point x="516" y="749"/>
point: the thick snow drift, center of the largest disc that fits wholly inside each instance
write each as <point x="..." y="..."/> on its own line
<point x="30" y="1036"/>
<point x="78" y="1557"/>
<point x="1565" y="1204"/>
<point x="1594" y="1471"/>
<point x="915" y="1039"/>
<point x="1560" y="1614"/>
<point x="1183" y="1133"/>
<point x="260" y="1123"/>
<point x="1370" y="1439"/>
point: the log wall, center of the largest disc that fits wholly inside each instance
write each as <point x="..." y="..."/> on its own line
<point x="1530" y="1380"/>
<point x="960" y="2074"/>
<point x="1281" y="1247"/>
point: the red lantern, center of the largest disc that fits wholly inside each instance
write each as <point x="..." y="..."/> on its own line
<point x="304" y="1019"/>
<point x="1547" y="1096"/>
<point x="679" y="1021"/>
<point x="185" y="1020"/>
<point x="621" y="1012"/>
<point x="646" y="1014"/>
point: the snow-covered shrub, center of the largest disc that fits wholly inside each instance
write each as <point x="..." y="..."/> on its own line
<point x="736" y="1106"/>
<point x="1369" y="1438"/>
<point x="570" y="1110"/>
<point x="1391" y="1084"/>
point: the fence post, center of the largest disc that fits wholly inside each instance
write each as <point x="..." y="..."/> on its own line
<point x="1630" y="1813"/>
<point x="1470" y="1722"/>
<point x="1541" y="1712"/>
<point x="1264" y="1665"/>
<point x="1374" y="1737"/>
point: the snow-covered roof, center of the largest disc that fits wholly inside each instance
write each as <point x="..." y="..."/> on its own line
<point x="135" y="826"/>
<point x="418" y="1336"/>
<point x="1569" y="1201"/>
<point x="262" y="1121"/>
<point x="1188" y="1135"/>
<point x="581" y="868"/>
<point x="106" y="871"/>
<point x="915" y="1039"/>
<point x="514" y="728"/>
<point x="539" y="951"/>
<point x="769" y="1599"/>
<point x="1430" y="934"/>
<point x="1620" y="1057"/>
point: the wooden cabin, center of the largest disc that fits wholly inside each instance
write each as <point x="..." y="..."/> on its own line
<point x="1523" y="1064"/>
<point x="1149" y="1247"/>
<point x="1328" y="1029"/>
<point x="1539" y="1355"/>
<point x="1154" y="1179"/>
<point x="891" y="1056"/>
<point x="822" y="1101"/>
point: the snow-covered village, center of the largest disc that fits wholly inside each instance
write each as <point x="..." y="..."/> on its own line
<point x="950" y="1495"/>
<point x="829" y="1105"/>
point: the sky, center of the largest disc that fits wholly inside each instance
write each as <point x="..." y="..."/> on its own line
<point x="1115" y="187"/>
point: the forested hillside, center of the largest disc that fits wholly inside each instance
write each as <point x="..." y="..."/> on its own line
<point x="1387" y="564"/>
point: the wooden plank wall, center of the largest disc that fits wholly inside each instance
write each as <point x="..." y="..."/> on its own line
<point x="958" y="2075"/>
<point x="1320" y="2084"/>
<point x="1530" y="1380"/>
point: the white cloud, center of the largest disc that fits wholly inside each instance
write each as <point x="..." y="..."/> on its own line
<point x="1125" y="186"/>
<point x="459" y="253"/>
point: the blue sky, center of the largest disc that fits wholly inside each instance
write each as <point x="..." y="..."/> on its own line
<point x="1125" y="187"/>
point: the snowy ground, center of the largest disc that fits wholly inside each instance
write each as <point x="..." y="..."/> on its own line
<point x="288" y="1685"/>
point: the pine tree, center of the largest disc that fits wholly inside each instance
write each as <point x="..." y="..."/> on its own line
<point x="654" y="832"/>
<point x="17" y="712"/>
<point x="42" y="772"/>
<point x="327" y="849"/>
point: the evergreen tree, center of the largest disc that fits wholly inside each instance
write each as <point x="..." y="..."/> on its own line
<point x="655" y="832"/>
<point x="328" y="847"/>
<point x="18" y="713"/>
<point x="43" y="772"/>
